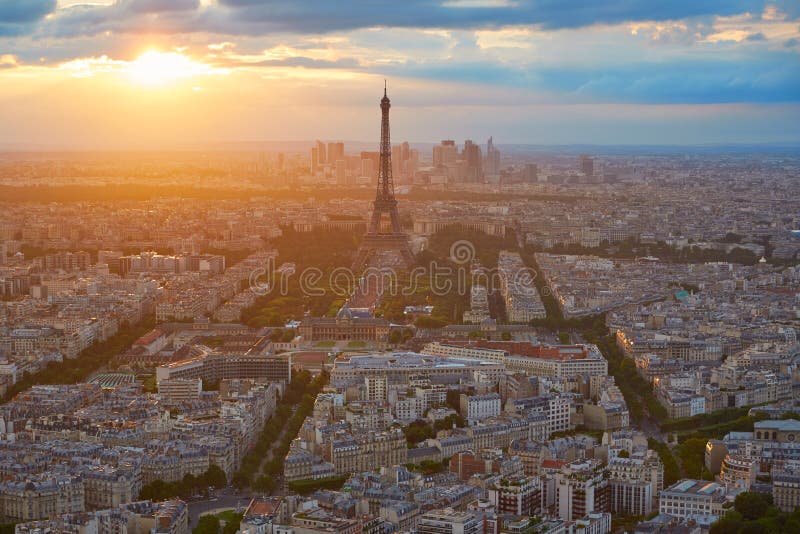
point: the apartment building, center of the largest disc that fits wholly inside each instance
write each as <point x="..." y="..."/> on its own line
<point x="476" y="408"/>
<point x="699" y="500"/>
<point x="581" y="488"/>
<point x="448" y="521"/>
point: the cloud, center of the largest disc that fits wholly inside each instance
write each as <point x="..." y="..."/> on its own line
<point x="326" y="16"/>
<point x="22" y="11"/>
<point x="7" y="61"/>
<point x="158" y="6"/>
<point x="124" y="16"/>
<point x="296" y="61"/>
<point x="703" y="51"/>
<point x="770" y="78"/>
<point x="262" y="17"/>
<point x="18" y="17"/>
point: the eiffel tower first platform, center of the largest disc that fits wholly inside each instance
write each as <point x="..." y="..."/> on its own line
<point x="393" y="242"/>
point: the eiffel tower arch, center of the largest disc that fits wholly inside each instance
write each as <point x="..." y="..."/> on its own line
<point x="376" y="241"/>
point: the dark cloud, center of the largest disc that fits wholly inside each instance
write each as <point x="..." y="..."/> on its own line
<point x="326" y="15"/>
<point x="158" y="6"/>
<point x="125" y="16"/>
<point x="18" y="17"/>
<point x="22" y="11"/>
<point x="262" y="17"/>
<point x="757" y="37"/>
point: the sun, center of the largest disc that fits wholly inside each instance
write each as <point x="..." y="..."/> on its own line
<point x="156" y="68"/>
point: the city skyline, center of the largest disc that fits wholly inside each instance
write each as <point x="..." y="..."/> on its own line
<point x="370" y="267"/>
<point x="147" y="74"/>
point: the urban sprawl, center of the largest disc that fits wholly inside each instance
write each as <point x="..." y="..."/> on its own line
<point x="158" y="376"/>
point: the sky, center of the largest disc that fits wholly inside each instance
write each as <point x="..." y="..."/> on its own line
<point x="89" y="74"/>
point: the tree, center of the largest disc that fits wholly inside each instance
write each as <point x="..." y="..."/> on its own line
<point x="751" y="505"/>
<point x="454" y="399"/>
<point x="692" y="455"/>
<point x="730" y="522"/>
<point x="424" y="321"/>
<point x="264" y="484"/>
<point x="232" y="522"/>
<point x="304" y="487"/>
<point x="276" y="335"/>
<point x="208" y="524"/>
<point x="450" y="421"/>
<point x="288" y="335"/>
<point x="731" y="237"/>
<point x="753" y="527"/>
<point x="214" y="476"/>
<point x="418" y="431"/>
<point x="430" y="467"/>
<point x="395" y="337"/>
<point x="190" y="481"/>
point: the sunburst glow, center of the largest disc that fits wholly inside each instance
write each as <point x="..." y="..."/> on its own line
<point x="161" y="68"/>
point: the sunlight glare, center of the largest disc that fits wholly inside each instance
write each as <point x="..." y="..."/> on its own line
<point x="161" y="68"/>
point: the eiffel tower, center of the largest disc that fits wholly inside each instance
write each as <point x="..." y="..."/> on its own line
<point x="375" y="241"/>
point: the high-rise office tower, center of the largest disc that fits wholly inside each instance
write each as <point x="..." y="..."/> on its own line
<point x="321" y="154"/>
<point x="335" y="152"/>
<point x="530" y="173"/>
<point x="397" y="161"/>
<point x="445" y="153"/>
<point x="367" y="168"/>
<point x="474" y="165"/>
<point x="341" y="171"/>
<point x="587" y="165"/>
<point x="405" y="150"/>
<point x="314" y="160"/>
<point x="412" y="162"/>
<point x="492" y="161"/>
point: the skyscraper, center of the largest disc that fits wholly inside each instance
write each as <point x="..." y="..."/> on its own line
<point x="587" y="165"/>
<point x="474" y="165"/>
<point x="314" y="160"/>
<point x="445" y="153"/>
<point x="367" y="168"/>
<point x="369" y="164"/>
<point x="321" y="157"/>
<point x="341" y="172"/>
<point x="530" y="173"/>
<point x="335" y="152"/>
<point x="492" y="161"/>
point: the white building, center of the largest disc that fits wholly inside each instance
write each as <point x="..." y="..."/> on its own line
<point x="448" y="521"/>
<point x="476" y="408"/>
<point x="699" y="500"/>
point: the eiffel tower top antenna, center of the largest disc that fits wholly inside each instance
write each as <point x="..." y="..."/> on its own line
<point x="385" y="180"/>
